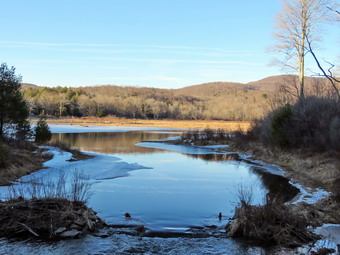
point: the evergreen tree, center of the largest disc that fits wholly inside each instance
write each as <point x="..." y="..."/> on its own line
<point x="42" y="131"/>
<point x="13" y="107"/>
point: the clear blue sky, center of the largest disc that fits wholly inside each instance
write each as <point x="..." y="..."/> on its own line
<point x="155" y="43"/>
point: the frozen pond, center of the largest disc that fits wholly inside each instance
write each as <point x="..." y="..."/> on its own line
<point x="172" y="190"/>
<point x="165" y="188"/>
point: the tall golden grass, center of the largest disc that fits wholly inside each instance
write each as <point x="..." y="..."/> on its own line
<point x="165" y="123"/>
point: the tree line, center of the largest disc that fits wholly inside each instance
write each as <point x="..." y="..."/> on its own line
<point x="145" y="103"/>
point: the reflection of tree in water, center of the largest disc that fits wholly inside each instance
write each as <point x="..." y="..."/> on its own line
<point x="278" y="186"/>
<point x="216" y="157"/>
<point x="124" y="142"/>
<point x="113" y="142"/>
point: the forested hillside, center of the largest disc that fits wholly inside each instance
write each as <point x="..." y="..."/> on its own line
<point x="217" y="100"/>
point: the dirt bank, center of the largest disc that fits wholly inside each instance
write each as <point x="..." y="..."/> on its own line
<point x="20" y="162"/>
<point x="308" y="169"/>
<point x="25" y="158"/>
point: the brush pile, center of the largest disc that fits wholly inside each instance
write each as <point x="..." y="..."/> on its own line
<point x="272" y="223"/>
<point x="47" y="219"/>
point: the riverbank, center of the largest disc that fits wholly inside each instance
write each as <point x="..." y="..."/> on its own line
<point x="164" y="123"/>
<point x="23" y="158"/>
<point x="33" y="208"/>
<point x="311" y="170"/>
<point x="314" y="173"/>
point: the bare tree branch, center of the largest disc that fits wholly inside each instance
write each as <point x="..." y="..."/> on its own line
<point x="331" y="9"/>
<point x="299" y="19"/>
<point x="329" y="76"/>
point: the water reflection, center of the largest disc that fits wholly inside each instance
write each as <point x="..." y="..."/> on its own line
<point x="111" y="143"/>
<point x="277" y="186"/>
<point x="179" y="192"/>
<point x="180" y="189"/>
<point x="124" y="143"/>
<point x="217" y="157"/>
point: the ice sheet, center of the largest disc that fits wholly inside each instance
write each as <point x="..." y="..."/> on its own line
<point x="308" y="195"/>
<point x="180" y="148"/>
<point x="98" y="168"/>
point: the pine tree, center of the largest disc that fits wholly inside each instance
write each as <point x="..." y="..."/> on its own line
<point x="42" y="131"/>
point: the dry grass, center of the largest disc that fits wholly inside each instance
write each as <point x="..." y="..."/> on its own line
<point x="165" y="123"/>
<point x="21" y="162"/>
<point x="309" y="169"/>
<point x="41" y="218"/>
<point x="273" y="223"/>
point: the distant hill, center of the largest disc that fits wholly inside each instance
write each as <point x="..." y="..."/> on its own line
<point x="270" y="83"/>
<point x="214" y="100"/>
<point x="29" y="85"/>
<point x="207" y="89"/>
<point x="211" y="89"/>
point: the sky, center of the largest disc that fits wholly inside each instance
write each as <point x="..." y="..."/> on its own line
<point x="153" y="43"/>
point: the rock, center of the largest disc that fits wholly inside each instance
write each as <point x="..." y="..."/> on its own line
<point x="140" y="229"/>
<point x="76" y="227"/>
<point x="70" y="233"/>
<point x="59" y="230"/>
<point x="80" y="222"/>
<point x="92" y="217"/>
<point x="90" y="224"/>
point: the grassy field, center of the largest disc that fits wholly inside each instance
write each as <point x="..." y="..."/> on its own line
<point x="166" y="123"/>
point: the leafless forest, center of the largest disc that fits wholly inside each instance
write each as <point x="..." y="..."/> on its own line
<point x="217" y="100"/>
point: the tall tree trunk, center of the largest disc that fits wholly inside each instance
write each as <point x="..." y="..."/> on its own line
<point x="304" y="20"/>
<point x="302" y="77"/>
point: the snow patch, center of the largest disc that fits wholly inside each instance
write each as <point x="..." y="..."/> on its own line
<point x="308" y="195"/>
<point x="98" y="168"/>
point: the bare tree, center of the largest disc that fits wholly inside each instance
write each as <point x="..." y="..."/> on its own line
<point x="329" y="73"/>
<point x="299" y="20"/>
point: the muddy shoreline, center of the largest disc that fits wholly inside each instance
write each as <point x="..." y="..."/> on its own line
<point x="27" y="161"/>
<point x="309" y="169"/>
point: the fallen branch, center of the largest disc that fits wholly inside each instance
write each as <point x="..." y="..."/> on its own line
<point x="29" y="229"/>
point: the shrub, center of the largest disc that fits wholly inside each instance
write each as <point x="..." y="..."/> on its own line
<point x="208" y="134"/>
<point x="336" y="190"/>
<point x="279" y="123"/>
<point x="23" y="130"/>
<point x="334" y="132"/>
<point x="42" y="131"/>
<point x="75" y="187"/>
<point x="271" y="223"/>
<point x="313" y="123"/>
<point x="4" y="152"/>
